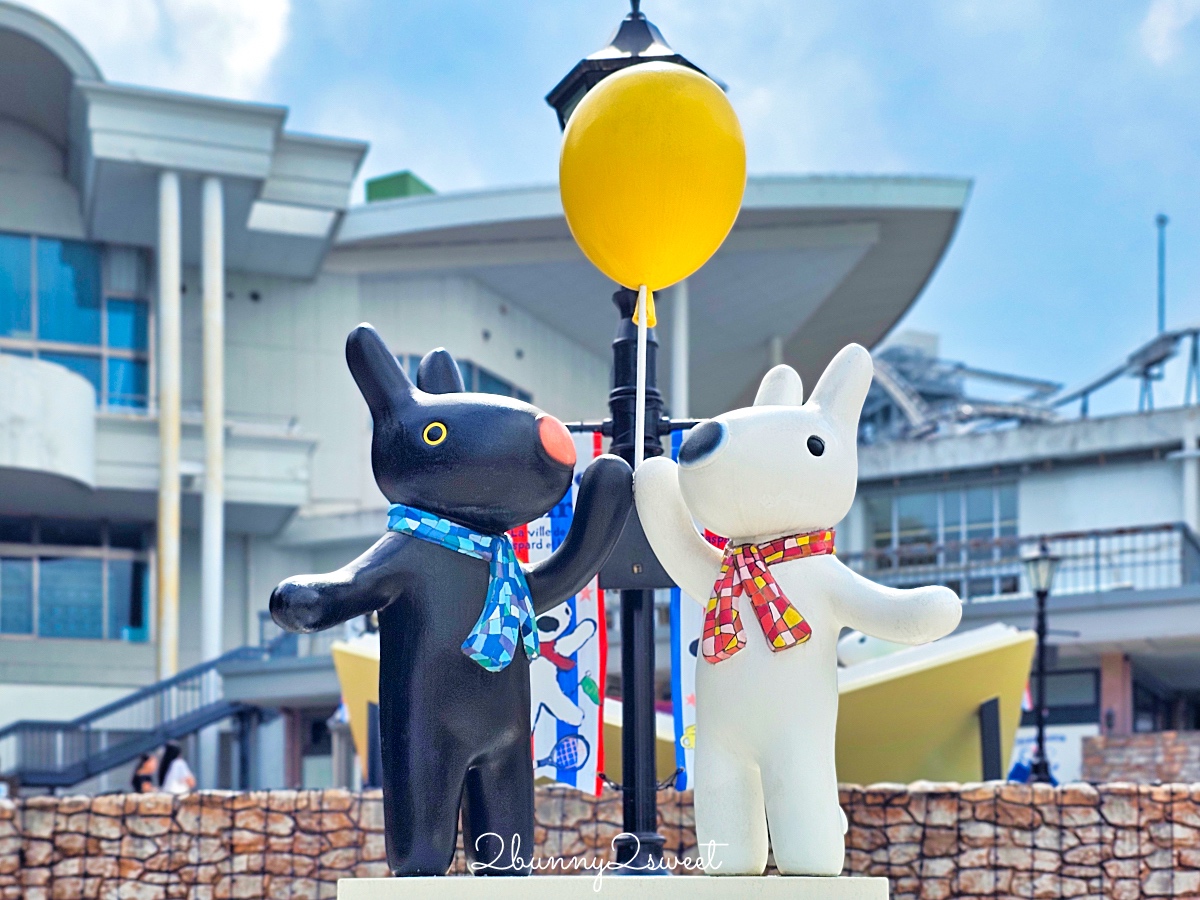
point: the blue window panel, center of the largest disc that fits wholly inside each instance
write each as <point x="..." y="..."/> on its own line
<point x="128" y="324"/>
<point x="68" y="276"/>
<point x="490" y="384"/>
<point x="87" y="366"/>
<point x="468" y="375"/>
<point x="70" y="533"/>
<point x="128" y="383"/>
<point x="71" y="598"/>
<point x="128" y="601"/>
<point x="15" y="287"/>
<point x="28" y="354"/>
<point x="16" y="596"/>
<point x="16" y="530"/>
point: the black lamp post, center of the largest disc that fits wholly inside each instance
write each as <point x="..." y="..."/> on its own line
<point x="636" y="40"/>
<point x="632" y="569"/>
<point x="1039" y="571"/>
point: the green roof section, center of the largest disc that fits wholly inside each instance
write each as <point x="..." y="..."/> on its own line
<point x="398" y="184"/>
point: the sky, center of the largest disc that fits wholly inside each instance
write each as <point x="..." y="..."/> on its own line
<point x="1076" y="121"/>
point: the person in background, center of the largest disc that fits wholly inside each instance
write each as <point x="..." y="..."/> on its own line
<point x="174" y="774"/>
<point x="143" y="773"/>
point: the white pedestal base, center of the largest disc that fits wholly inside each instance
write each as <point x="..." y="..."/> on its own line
<point x="613" y="887"/>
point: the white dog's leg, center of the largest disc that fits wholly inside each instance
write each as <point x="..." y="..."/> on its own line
<point x="807" y="824"/>
<point x="729" y="810"/>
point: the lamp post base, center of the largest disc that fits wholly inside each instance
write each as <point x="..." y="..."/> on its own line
<point x="640" y="853"/>
<point x="1039" y="772"/>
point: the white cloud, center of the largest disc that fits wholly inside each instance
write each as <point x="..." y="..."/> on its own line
<point x="1161" y="29"/>
<point x="224" y="48"/>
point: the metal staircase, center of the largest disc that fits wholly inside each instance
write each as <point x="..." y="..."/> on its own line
<point x="54" y="754"/>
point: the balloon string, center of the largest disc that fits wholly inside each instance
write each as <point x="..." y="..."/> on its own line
<point x="639" y="420"/>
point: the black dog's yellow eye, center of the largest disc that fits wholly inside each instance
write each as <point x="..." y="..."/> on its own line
<point x="434" y="434"/>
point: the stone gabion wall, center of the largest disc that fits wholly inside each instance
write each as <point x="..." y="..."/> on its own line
<point x="933" y="841"/>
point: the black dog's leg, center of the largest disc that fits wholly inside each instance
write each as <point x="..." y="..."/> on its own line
<point x="308" y="603"/>
<point x="498" y="813"/>
<point x="422" y="791"/>
<point x="601" y="507"/>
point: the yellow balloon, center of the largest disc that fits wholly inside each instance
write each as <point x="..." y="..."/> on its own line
<point x="652" y="172"/>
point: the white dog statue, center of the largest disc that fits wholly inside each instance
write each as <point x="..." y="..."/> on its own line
<point x="775" y="478"/>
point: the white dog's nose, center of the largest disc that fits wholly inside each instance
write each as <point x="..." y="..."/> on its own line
<point x="705" y="440"/>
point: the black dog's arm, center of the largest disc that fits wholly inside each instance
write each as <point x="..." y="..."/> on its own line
<point x="308" y="603"/>
<point x="601" y="507"/>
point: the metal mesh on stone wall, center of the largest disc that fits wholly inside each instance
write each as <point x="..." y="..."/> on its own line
<point x="933" y="841"/>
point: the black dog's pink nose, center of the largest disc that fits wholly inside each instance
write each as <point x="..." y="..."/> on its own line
<point x="556" y="440"/>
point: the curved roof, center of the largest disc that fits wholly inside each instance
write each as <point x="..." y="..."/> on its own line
<point x="817" y="261"/>
<point x="45" y="60"/>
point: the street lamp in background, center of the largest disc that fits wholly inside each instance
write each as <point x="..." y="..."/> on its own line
<point x="632" y="569"/>
<point x="1040" y="569"/>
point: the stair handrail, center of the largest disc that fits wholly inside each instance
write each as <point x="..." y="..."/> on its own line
<point x="150" y="690"/>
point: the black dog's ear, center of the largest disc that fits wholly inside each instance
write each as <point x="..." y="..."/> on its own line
<point x="379" y="377"/>
<point x="439" y="373"/>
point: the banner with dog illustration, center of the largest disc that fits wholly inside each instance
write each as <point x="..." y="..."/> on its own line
<point x="567" y="679"/>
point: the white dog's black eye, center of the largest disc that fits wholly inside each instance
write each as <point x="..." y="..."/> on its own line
<point x="816" y="446"/>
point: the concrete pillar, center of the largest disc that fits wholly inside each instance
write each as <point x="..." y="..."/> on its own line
<point x="680" y="352"/>
<point x="775" y="352"/>
<point x="1116" y="694"/>
<point x="212" y="533"/>
<point x="169" y="394"/>
<point x="1189" y="460"/>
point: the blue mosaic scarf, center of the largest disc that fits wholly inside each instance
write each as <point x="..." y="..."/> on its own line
<point x="507" y="610"/>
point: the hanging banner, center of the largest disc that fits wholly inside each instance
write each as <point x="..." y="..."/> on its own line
<point x="687" y="626"/>
<point x="567" y="679"/>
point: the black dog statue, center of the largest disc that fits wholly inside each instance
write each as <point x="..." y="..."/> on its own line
<point x="456" y="609"/>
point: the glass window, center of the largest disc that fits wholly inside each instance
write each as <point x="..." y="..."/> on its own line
<point x="87" y="366"/>
<point x="127" y="537"/>
<point x="15" y="531"/>
<point x="490" y="384"/>
<point x="70" y="533"/>
<point x="917" y="519"/>
<point x="15" y="282"/>
<point x="16" y="596"/>
<point x="1006" y="497"/>
<point x="981" y="515"/>
<point x="879" y="521"/>
<point x="68" y="278"/>
<point x="468" y="375"/>
<point x="128" y="383"/>
<point x="127" y="600"/>
<point x="128" y="324"/>
<point x="70" y="597"/>
<point x="952" y="515"/>
<point x="1072" y="689"/>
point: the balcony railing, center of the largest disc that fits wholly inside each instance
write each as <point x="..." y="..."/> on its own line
<point x="1146" y="558"/>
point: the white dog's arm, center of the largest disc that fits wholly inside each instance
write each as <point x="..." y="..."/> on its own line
<point x="689" y="559"/>
<point x="913" y="616"/>
<point x="570" y="643"/>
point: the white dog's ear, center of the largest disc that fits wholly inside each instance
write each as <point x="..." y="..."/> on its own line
<point x="843" y="385"/>
<point x="780" y="387"/>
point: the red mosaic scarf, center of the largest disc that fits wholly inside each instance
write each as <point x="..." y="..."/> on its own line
<point x="746" y="569"/>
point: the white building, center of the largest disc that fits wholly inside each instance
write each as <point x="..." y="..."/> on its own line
<point x="178" y="430"/>
<point x="1116" y="497"/>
